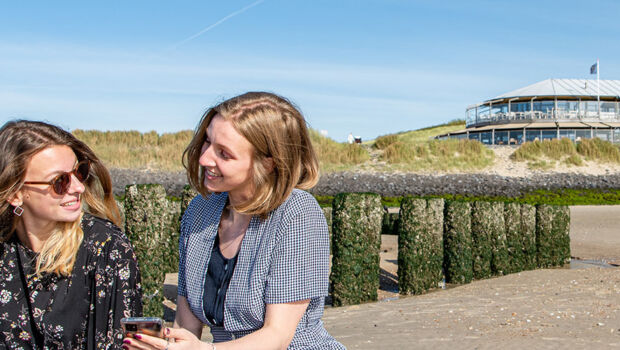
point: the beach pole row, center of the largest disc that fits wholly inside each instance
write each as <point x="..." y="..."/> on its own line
<point x="442" y="241"/>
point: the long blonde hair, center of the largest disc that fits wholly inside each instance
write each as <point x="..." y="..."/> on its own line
<point x="276" y="130"/>
<point x="19" y="141"/>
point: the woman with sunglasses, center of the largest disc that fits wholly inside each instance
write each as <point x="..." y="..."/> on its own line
<point x="68" y="274"/>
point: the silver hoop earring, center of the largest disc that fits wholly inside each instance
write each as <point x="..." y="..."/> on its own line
<point x="18" y="211"/>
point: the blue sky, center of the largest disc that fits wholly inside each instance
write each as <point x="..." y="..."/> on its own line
<point x="367" y="67"/>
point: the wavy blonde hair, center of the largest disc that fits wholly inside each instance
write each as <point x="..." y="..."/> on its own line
<point x="276" y="130"/>
<point x="19" y="141"/>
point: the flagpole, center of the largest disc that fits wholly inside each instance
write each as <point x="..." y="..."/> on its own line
<point x="598" y="87"/>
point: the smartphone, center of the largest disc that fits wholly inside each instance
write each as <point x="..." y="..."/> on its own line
<point x="153" y="326"/>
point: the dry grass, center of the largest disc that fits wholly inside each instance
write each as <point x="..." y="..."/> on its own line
<point x="538" y="153"/>
<point x="334" y="156"/>
<point x="132" y="149"/>
<point x="597" y="149"/>
<point x="443" y="155"/>
<point x="426" y="134"/>
<point x="417" y="150"/>
<point x="382" y="142"/>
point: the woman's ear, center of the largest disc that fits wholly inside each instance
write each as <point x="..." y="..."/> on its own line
<point x="17" y="199"/>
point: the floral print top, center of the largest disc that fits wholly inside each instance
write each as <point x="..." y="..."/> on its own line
<point x="81" y="311"/>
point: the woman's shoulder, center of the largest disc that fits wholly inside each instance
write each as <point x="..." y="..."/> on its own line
<point x="299" y="201"/>
<point x="100" y="232"/>
<point x="200" y="206"/>
<point x="300" y="205"/>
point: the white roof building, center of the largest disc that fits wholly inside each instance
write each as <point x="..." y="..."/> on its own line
<point x="552" y="108"/>
<point x="566" y="88"/>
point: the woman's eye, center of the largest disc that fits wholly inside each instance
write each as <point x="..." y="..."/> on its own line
<point x="224" y="155"/>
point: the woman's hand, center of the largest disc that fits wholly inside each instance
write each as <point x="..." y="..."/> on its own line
<point x="183" y="339"/>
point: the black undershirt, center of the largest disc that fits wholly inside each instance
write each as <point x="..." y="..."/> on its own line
<point x="219" y="273"/>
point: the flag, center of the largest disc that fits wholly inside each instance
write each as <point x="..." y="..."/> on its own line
<point x="593" y="68"/>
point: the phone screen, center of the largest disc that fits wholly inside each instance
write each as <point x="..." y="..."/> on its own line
<point x="152" y="326"/>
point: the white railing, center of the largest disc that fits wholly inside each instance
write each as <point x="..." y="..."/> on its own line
<point x="559" y="116"/>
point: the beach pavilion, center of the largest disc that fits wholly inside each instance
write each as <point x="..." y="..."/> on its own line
<point x="550" y="109"/>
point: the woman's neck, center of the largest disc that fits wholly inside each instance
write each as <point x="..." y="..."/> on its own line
<point x="232" y="230"/>
<point x="33" y="238"/>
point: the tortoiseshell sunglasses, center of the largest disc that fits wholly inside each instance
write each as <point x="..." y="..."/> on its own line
<point x="60" y="184"/>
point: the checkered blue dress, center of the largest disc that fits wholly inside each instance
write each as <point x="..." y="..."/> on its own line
<point x="283" y="258"/>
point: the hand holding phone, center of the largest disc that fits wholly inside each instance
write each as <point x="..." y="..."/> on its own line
<point x="153" y="326"/>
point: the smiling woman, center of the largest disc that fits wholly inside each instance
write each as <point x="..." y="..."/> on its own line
<point x="254" y="247"/>
<point x="67" y="273"/>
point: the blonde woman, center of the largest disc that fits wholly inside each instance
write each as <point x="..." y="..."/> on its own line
<point x="254" y="247"/>
<point x="67" y="272"/>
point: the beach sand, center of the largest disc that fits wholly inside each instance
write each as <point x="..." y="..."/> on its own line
<point x="575" y="308"/>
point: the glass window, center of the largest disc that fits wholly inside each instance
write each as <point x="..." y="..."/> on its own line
<point x="617" y="135"/>
<point x="549" y="134"/>
<point x="483" y="112"/>
<point x="520" y="107"/>
<point x="474" y="136"/>
<point x="516" y="137"/>
<point x="532" y="135"/>
<point x="496" y="109"/>
<point x="568" y="134"/>
<point x="582" y="134"/>
<point x="485" y="137"/>
<point x="608" y="107"/>
<point x="471" y="116"/>
<point x="501" y="137"/>
<point x="591" y="107"/>
<point x="603" y="134"/>
<point x="563" y="106"/>
<point x="547" y="106"/>
<point x="573" y="106"/>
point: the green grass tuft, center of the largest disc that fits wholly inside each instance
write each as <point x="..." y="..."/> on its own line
<point x="382" y="142"/>
<point x="597" y="149"/>
<point x="132" y="149"/>
<point x="439" y="155"/>
<point x="337" y="156"/>
<point x="543" y="154"/>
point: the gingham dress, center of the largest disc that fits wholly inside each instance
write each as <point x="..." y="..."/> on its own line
<point x="283" y="258"/>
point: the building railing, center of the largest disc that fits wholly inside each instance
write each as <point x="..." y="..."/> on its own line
<point x="533" y="116"/>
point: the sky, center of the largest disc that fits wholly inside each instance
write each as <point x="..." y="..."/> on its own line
<point x="364" y="67"/>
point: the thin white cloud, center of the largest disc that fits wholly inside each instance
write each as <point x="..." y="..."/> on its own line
<point x="224" y="19"/>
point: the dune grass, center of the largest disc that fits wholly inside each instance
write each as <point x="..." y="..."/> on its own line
<point x="451" y="154"/>
<point x="406" y="151"/>
<point x="132" y="149"/>
<point x="544" y="154"/>
<point x="425" y="134"/>
<point x="417" y="150"/>
<point x="334" y="156"/>
<point x="135" y="150"/>
<point x="411" y="150"/>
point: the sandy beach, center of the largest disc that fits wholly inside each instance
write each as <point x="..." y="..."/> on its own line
<point x="576" y="307"/>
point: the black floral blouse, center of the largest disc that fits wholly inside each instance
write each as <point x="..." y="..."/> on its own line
<point x="82" y="311"/>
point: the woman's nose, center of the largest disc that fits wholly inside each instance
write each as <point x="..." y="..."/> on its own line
<point x="206" y="157"/>
<point x="76" y="185"/>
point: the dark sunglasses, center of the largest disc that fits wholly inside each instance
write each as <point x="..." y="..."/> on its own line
<point x="60" y="184"/>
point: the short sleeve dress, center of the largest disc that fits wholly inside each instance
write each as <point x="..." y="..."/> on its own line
<point x="283" y="258"/>
<point x="81" y="311"/>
